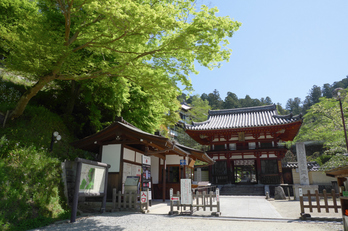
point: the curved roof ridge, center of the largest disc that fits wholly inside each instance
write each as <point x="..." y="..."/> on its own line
<point x="245" y="109"/>
<point x="200" y="123"/>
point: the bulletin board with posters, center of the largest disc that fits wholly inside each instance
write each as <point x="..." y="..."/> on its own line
<point x="146" y="174"/>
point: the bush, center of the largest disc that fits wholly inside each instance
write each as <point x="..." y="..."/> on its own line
<point x="30" y="182"/>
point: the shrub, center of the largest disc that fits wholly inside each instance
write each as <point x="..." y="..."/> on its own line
<point x="30" y="182"/>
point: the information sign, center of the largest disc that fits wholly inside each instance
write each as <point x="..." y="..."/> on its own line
<point x="174" y="198"/>
<point x="182" y="162"/>
<point x="146" y="160"/>
<point x="186" y="193"/>
<point x="217" y="191"/>
<point x="170" y="193"/>
<point x="143" y="196"/>
<point x="92" y="179"/>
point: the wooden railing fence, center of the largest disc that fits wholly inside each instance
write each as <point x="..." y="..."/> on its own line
<point x="200" y="200"/>
<point x="316" y="203"/>
<point x="129" y="200"/>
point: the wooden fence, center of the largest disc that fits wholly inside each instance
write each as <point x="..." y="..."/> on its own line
<point x="129" y="200"/>
<point x="314" y="201"/>
<point x="200" y="200"/>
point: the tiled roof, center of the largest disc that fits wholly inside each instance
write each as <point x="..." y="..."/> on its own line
<point x="185" y="107"/>
<point x="312" y="166"/>
<point x="243" y="118"/>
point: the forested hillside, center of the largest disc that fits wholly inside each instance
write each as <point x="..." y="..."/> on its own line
<point x="322" y="123"/>
<point x="294" y="105"/>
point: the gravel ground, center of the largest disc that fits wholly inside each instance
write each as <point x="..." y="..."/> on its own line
<point x="157" y="219"/>
<point x="138" y="221"/>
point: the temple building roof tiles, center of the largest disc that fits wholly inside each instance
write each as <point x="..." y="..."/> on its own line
<point x="243" y="118"/>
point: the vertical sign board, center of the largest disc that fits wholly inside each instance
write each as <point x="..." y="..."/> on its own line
<point x="217" y="192"/>
<point x="143" y="196"/>
<point x="91" y="181"/>
<point x="199" y="174"/>
<point x="146" y="175"/>
<point x="186" y="193"/>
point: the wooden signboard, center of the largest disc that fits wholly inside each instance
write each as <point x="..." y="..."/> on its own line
<point x="91" y="180"/>
<point x="186" y="192"/>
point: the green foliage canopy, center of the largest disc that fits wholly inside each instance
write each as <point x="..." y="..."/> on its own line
<point x="323" y="122"/>
<point x="149" y="43"/>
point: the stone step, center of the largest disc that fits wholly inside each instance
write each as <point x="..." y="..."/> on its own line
<point x="243" y="190"/>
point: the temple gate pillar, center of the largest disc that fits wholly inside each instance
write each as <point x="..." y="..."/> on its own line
<point x="303" y="172"/>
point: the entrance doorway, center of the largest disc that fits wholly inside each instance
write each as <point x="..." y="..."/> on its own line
<point x="244" y="172"/>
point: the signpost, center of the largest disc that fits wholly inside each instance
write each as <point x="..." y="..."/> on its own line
<point x="146" y="177"/>
<point x="186" y="193"/>
<point x="143" y="196"/>
<point x="91" y="181"/>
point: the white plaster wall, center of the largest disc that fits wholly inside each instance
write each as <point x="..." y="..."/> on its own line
<point x="111" y="154"/>
<point x="249" y="157"/>
<point x="174" y="159"/>
<point x="320" y="178"/>
<point x="139" y="157"/>
<point x="155" y="169"/>
<point x="236" y="157"/>
<point x="314" y="178"/>
<point x="128" y="154"/>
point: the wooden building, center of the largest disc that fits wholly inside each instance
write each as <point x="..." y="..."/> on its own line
<point x="123" y="145"/>
<point x="245" y="143"/>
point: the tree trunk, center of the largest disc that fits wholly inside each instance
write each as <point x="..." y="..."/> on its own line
<point x="30" y="93"/>
<point x="75" y="91"/>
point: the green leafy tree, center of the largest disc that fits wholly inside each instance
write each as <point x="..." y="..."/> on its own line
<point x="146" y="105"/>
<point x="294" y="106"/>
<point x="312" y="98"/>
<point x="231" y="101"/>
<point x="246" y="102"/>
<point x="151" y="43"/>
<point x="266" y="101"/>
<point x="281" y="110"/>
<point x="200" y="108"/>
<point x="323" y="122"/>
<point x="215" y="100"/>
<point x="327" y="90"/>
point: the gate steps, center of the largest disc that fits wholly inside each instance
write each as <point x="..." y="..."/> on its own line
<point x="243" y="190"/>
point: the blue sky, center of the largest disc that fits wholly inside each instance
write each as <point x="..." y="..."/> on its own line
<point x="281" y="50"/>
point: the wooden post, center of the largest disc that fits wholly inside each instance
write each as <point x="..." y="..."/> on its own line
<point x="280" y="168"/>
<point x="325" y="201"/>
<point x="211" y="200"/>
<point x="335" y="201"/>
<point x="310" y="201"/>
<point x="105" y="190"/>
<point x="179" y="201"/>
<point x="258" y="166"/>
<point x="114" y="198"/>
<point x="318" y="200"/>
<point x="76" y="193"/>
<point x="164" y="177"/>
<point x="301" y="204"/>
<point x="119" y="200"/>
<point x="125" y="199"/>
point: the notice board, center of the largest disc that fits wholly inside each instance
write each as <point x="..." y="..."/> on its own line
<point x="186" y="192"/>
